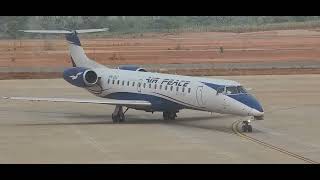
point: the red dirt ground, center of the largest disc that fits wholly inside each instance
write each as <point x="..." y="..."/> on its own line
<point x="193" y="72"/>
<point x="285" y="45"/>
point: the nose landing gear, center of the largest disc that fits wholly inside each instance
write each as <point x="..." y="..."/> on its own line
<point x="246" y="127"/>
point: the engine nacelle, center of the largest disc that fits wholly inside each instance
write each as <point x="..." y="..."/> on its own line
<point x="80" y="77"/>
<point x="131" y="68"/>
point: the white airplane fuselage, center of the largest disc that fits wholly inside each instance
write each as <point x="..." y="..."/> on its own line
<point x="168" y="92"/>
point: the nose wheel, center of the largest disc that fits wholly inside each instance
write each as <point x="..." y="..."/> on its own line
<point x="246" y="127"/>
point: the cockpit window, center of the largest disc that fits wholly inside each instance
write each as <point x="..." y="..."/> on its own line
<point x="231" y="90"/>
<point x="220" y="90"/>
<point x="241" y="89"/>
<point x="235" y="90"/>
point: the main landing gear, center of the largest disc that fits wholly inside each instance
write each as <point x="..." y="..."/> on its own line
<point x="118" y="114"/>
<point x="169" y="115"/>
<point x="246" y="127"/>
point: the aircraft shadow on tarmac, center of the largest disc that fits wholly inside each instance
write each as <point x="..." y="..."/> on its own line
<point x="200" y="122"/>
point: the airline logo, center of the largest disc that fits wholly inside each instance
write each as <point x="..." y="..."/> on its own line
<point x="74" y="77"/>
<point x="168" y="82"/>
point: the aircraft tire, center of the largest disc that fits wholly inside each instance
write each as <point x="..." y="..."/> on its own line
<point x="172" y="116"/>
<point x="115" y="118"/>
<point x="244" y="128"/>
<point x="165" y="116"/>
<point x="121" y="117"/>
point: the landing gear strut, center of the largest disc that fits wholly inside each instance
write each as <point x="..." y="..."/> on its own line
<point x="118" y="114"/>
<point x="246" y="127"/>
<point x="169" y="115"/>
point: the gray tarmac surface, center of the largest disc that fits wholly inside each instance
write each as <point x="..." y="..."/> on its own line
<point x="42" y="132"/>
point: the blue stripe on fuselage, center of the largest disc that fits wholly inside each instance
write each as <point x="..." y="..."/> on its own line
<point x="248" y="100"/>
<point x="213" y="86"/>
<point x="158" y="103"/>
<point x="184" y="103"/>
<point x="73" y="39"/>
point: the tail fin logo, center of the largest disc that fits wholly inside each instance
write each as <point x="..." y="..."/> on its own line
<point x="74" y="77"/>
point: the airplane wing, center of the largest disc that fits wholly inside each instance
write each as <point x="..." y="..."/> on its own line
<point x="90" y="101"/>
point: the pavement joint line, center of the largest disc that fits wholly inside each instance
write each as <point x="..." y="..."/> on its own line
<point x="235" y="129"/>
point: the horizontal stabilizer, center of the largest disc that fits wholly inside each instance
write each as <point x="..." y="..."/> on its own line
<point x="92" y="30"/>
<point x="47" y="31"/>
<point x="65" y="31"/>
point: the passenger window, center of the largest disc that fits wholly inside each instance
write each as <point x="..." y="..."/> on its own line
<point x="155" y="86"/>
<point x="177" y="88"/>
<point x="108" y="81"/>
<point x="132" y="83"/>
<point x="118" y="82"/>
<point x="160" y="86"/>
<point x="112" y="81"/>
<point x="166" y="88"/>
<point x="149" y="85"/>
<point x="122" y="83"/>
<point x="182" y="89"/>
<point x="144" y="85"/>
<point x="139" y="84"/>
<point x="171" y="88"/>
<point x="189" y="90"/>
<point x="128" y="83"/>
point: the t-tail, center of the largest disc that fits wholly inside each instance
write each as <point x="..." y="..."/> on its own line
<point x="78" y="56"/>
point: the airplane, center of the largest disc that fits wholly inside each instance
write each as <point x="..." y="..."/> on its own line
<point x="134" y="87"/>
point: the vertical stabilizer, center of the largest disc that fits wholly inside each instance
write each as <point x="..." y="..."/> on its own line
<point x="78" y="56"/>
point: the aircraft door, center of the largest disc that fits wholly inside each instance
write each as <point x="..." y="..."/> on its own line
<point x="199" y="95"/>
<point x="139" y="85"/>
<point x="222" y="98"/>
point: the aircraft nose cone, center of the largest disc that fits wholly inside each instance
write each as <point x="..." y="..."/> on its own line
<point x="254" y="103"/>
<point x="255" y="112"/>
<point x="257" y="106"/>
<point x="249" y="101"/>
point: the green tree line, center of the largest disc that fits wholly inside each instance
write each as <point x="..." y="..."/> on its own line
<point x="9" y="25"/>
